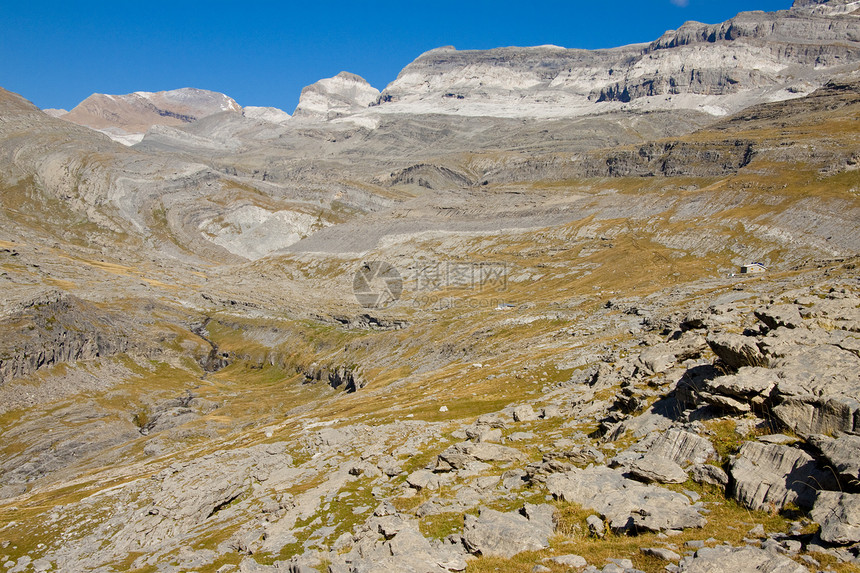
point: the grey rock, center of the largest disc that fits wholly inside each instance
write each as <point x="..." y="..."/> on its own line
<point x="596" y="526"/>
<point x="657" y="359"/>
<point x="683" y="447"/>
<point x="423" y="479"/>
<point x="736" y="350"/>
<point x="483" y="433"/>
<point x="661" y="553"/>
<point x="408" y="540"/>
<point x="460" y="455"/>
<point x="842" y="453"/>
<point x="724" y="559"/>
<point x="753" y="384"/>
<point x="574" y="561"/>
<point x="767" y="476"/>
<point x="777" y="439"/>
<point x="524" y="413"/>
<point x="727" y="403"/>
<point x="550" y="411"/>
<point x="497" y="534"/>
<point x="839" y="516"/>
<point x="777" y="315"/>
<point x="626" y="504"/>
<point x="655" y="468"/>
<point x="818" y="389"/>
<point x="706" y="473"/>
<point x="809" y="414"/>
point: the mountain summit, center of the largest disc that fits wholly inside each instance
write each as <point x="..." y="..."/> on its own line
<point x="127" y="117"/>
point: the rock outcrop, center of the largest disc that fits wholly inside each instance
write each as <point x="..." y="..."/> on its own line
<point x="337" y="97"/>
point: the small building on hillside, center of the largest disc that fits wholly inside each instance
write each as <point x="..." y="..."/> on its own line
<point x="753" y="268"/>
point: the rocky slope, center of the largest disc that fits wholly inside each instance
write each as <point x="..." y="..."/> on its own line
<point x="572" y="375"/>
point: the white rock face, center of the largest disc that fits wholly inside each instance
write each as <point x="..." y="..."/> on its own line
<point x="270" y="114"/>
<point x="253" y="232"/>
<point x="717" y="69"/>
<point x="331" y="98"/>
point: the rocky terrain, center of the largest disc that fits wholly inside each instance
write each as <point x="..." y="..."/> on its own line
<point x="491" y="318"/>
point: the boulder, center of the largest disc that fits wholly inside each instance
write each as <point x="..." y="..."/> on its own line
<point x="524" y="413"/>
<point x="839" y="516"/>
<point x="655" y="468"/>
<point x="810" y="414"/>
<point x="660" y="553"/>
<point x="626" y="504"/>
<point x="497" y="534"/>
<point x="423" y="479"/>
<point x="657" y="358"/>
<point x="596" y="526"/>
<point x="683" y="447"/>
<point x="724" y="559"/>
<point x="706" y="473"/>
<point x="841" y="453"/>
<point x="748" y="384"/>
<point x="736" y="350"/>
<point x="768" y="476"/>
<point x="777" y="315"/>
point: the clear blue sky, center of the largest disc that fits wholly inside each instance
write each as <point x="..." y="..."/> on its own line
<point x="262" y="53"/>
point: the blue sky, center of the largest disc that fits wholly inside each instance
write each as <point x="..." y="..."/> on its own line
<point x="262" y="53"/>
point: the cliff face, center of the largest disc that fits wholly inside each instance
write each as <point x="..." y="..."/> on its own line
<point x="55" y="329"/>
<point x="719" y="69"/>
<point x="336" y="97"/>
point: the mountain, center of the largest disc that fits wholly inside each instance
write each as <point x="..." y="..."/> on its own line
<point x="127" y="117"/>
<point x="718" y="69"/>
<point x="404" y="331"/>
<point x="336" y="97"/>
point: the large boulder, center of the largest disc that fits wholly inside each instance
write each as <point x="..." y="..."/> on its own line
<point x="655" y="468"/>
<point x="626" y="504"/>
<point x="841" y="453"/>
<point x="683" y="447"/>
<point x="749" y="384"/>
<point x="737" y="350"/>
<point x="839" y="516"/>
<point x="768" y="476"/>
<point x="777" y="315"/>
<point x="818" y="389"/>
<point x="497" y="534"/>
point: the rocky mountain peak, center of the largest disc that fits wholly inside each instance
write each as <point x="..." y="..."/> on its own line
<point x="335" y="97"/>
<point x="126" y="118"/>
<point x="716" y="69"/>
